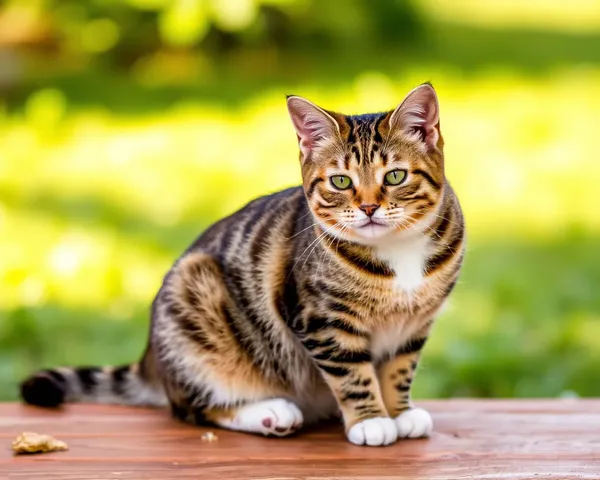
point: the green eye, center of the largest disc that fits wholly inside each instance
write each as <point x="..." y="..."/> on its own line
<point x="395" y="177"/>
<point x="341" y="182"/>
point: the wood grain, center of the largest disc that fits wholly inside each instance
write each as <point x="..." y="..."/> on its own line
<point x="473" y="439"/>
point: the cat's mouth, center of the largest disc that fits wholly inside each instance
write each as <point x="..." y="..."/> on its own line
<point x="372" y="228"/>
<point x="370" y="223"/>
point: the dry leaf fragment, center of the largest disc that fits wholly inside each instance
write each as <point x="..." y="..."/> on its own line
<point x="30" y="442"/>
<point x="209" y="437"/>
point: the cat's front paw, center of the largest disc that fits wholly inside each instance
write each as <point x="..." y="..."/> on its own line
<point x="414" y="423"/>
<point x="374" y="432"/>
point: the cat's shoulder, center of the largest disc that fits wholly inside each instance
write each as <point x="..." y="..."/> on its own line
<point x="250" y="213"/>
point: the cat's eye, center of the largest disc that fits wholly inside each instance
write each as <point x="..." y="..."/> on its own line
<point x="341" y="182"/>
<point x="395" y="177"/>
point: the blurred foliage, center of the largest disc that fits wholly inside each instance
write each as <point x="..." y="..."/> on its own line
<point x="128" y="126"/>
<point x="122" y="31"/>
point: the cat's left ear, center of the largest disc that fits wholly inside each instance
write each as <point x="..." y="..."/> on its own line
<point x="419" y="113"/>
<point x="313" y="124"/>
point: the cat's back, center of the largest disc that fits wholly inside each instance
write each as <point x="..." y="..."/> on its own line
<point x="248" y="233"/>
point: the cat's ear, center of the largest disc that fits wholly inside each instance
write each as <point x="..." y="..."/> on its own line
<point x="419" y="114"/>
<point x="313" y="124"/>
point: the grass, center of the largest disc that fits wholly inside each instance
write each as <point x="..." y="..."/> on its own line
<point x="105" y="180"/>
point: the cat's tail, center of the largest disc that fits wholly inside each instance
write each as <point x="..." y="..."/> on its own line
<point x="134" y="384"/>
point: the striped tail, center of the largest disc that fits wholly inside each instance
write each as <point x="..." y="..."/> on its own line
<point x="126" y="385"/>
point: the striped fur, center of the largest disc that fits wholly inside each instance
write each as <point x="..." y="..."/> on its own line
<point x="289" y="310"/>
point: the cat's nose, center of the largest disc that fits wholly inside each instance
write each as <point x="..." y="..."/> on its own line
<point x="369" y="209"/>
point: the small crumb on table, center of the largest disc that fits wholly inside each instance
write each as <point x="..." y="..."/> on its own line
<point x="209" y="437"/>
<point x="30" y="442"/>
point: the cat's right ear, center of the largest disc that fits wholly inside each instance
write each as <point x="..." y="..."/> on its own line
<point x="313" y="124"/>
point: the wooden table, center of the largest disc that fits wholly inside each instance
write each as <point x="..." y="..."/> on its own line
<point x="545" y="439"/>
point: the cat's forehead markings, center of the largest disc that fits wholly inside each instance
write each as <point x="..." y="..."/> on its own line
<point x="364" y="139"/>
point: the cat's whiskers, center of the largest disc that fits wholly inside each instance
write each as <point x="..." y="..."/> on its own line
<point x="315" y="242"/>
<point x="345" y="227"/>
<point x="440" y="238"/>
<point x="324" y="252"/>
<point x="410" y="222"/>
<point x="305" y="215"/>
<point x="305" y="250"/>
<point x="337" y="245"/>
<point x="444" y="218"/>
<point x="303" y="230"/>
<point x="397" y="215"/>
<point x="320" y="258"/>
<point x="403" y="222"/>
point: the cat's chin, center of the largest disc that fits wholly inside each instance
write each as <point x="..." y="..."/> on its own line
<point x="383" y="236"/>
<point x="372" y="232"/>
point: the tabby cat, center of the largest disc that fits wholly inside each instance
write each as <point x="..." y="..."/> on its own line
<point x="309" y="303"/>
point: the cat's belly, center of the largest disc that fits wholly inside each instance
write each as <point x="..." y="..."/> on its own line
<point x="316" y="402"/>
<point x="308" y="389"/>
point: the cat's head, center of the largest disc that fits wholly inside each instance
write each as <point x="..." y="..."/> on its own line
<point x="369" y="177"/>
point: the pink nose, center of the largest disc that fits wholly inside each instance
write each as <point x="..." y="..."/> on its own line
<point x="369" y="209"/>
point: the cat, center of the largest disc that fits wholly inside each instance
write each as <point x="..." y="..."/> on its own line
<point x="309" y="303"/>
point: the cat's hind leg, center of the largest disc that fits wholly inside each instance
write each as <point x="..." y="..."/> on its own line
<point x="214" y="362"/>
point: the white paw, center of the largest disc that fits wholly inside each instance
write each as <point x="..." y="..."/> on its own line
<point x="414" y="423"/>
<point x="373" y="431"/>
<point x="277" y="417"/>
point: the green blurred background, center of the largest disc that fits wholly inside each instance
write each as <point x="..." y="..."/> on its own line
<point x="128" y="126"/>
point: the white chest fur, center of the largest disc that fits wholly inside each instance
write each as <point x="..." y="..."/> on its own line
<point x="407" y="259"/>
<point x="387" y="339"/>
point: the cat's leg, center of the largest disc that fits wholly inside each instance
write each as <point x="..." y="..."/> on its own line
<point x="344" y="358"/>
<point x="212" y="361"/>
<point x="396" y="375"/>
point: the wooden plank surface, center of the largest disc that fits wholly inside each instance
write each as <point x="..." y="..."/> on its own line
<point x="534" y="439"/>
